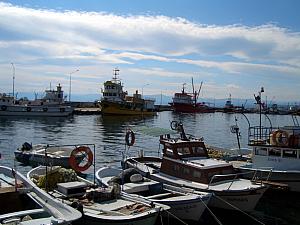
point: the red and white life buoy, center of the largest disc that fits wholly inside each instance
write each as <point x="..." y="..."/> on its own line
<point x="130" y="138"/>
<point x="88" y="157"/>
<point x="280" y="138"/>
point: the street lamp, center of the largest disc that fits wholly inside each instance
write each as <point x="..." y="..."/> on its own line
<point x="70" y="84"/>
<point x="143" y="89"/>
<point x="13" y="79"/>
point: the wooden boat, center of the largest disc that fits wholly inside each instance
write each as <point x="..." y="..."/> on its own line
<point x="185" y="204"/>
<point x="275" y="155"/>
<point x="185" y="163"/>
<point x="42" y="154"/>
<point x="115" y="101"/>
<point x="24" y="204"/>
<point x="98" y="205"/>
<point x="52" y="105"/>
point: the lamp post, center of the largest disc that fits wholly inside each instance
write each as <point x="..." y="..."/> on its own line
<point x="13" y="79"/>
<point x="143" y="89"/>
<point x="71" y="85"/>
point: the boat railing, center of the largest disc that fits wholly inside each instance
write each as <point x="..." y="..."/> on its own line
<point x="136" y="163"/>
<point x="236" y="176"/>
<point x="261" y="170"/>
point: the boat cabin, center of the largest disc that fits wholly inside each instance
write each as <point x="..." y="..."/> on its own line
<point x="188" y="159"/>
<point x="276" y="148"/>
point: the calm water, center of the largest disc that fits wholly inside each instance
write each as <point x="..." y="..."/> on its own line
<point x="107" y="133"/>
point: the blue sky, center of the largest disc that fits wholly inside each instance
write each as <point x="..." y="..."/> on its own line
<point x="232" y="46"/>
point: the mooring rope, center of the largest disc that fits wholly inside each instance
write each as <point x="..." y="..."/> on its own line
<point x="236" y="208"/>
<point x="177" y="218"/>
<point x="209" y="210"/>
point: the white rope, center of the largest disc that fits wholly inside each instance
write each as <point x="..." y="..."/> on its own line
<point x="209" y="210"/>
<point x="177" y="218"/>
<point x="252" y="217"/>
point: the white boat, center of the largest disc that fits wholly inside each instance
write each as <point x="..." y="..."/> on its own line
<point x="52" y="105"/>
<point x="185" y="163"/>
<point x="185" y="204"/>
<point x="98" y="205"/>
<point x="275" y="155"/>
<point x="43" y="154"/>
<point x="24" y="204"/>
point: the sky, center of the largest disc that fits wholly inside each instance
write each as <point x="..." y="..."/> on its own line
<point x="234" y="46"/>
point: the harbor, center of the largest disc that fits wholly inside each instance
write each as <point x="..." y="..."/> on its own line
<point x="108" y="132"/>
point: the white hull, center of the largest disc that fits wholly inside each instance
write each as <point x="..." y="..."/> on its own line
<point x="290" y="178"/>
<point x="50" y="210"/>
<point x="242" y="194"/>
<point x="47" y="111"/>
<point x="186" y="206"/>
<point x="106" y="212"/>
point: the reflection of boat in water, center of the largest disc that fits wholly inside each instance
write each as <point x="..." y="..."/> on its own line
<point x="115" y="101"/>
<point x="23" y="204"/>
<point x="52" y="105"/>
<point x="188" y="102"/>
<point x="183" y="203"/>
<point x="42" y="154"/>
<point x="99" y="205"/>
<point x="185" y="163"/>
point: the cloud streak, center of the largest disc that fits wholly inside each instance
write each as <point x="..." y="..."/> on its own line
<point x="39" y="36"/>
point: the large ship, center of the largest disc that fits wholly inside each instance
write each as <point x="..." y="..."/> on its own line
<point x="52" y="104"/>
<point x="188" y="102"/>
<point x="115" y="101"/>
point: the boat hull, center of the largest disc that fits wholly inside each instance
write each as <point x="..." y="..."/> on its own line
<point x="244" y="199"/>
<point x="290" y="178"/>
<point x="39" y="111"/>
<point x="112" y="108"/>
<point x="189" y="108"/>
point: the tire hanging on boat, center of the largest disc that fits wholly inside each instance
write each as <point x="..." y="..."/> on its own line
<point x="75" y="164"/>
<point x="130" y="138"/>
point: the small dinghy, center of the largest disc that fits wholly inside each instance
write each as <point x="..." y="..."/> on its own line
<point x="67" y="156"/>
<point x="23" y="204"/>
<point x="98" y="205"/>
<point x="185" y="204"/>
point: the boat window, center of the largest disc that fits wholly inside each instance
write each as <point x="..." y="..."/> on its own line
<point x="169" y="152"/>
<point x="197" y="174"/>
<point x="274" y="152"/>
<point x="186" y="171"/>
<point x="183" y="151"/>
<point x="290" y="153"/>
<point x="261" y="151"/>
<point x="176" y="168"/>
<point x="198" y="150"/>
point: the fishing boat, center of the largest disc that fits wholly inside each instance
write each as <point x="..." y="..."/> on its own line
<point x="24" y="204"/>
<point x="185" y="163"/>
<point x="229" y="107"/>
<point x="275" y="155"/>
<point x="183" y="203"/>
<point x="51" y="105"/>
<point x="99" y="205"/>
<point x="188" y="102"/>
<point x="115" y="101"/>
<point x="68" y="156"/>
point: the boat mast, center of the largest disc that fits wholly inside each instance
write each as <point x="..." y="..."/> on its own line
<point x="13" y="87"/>
<point x="194" y="93"/>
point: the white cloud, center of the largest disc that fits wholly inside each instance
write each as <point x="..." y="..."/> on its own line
<point x="67" y="39"/>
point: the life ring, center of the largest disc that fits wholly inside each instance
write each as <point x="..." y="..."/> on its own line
<point x="4" y="107"/>
<point x="74" y="162"/>
<point x="174" y="125"/>
<point x="130" y="138"/>
<point x="280" y="138"/>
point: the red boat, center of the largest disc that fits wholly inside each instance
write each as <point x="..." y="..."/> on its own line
<point x="187" y="102"/>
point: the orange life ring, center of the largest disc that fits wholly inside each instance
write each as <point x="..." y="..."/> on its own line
<point x="130" y="135"/>
<point x="74" y="162"/>
<point x="280" y="138"/>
